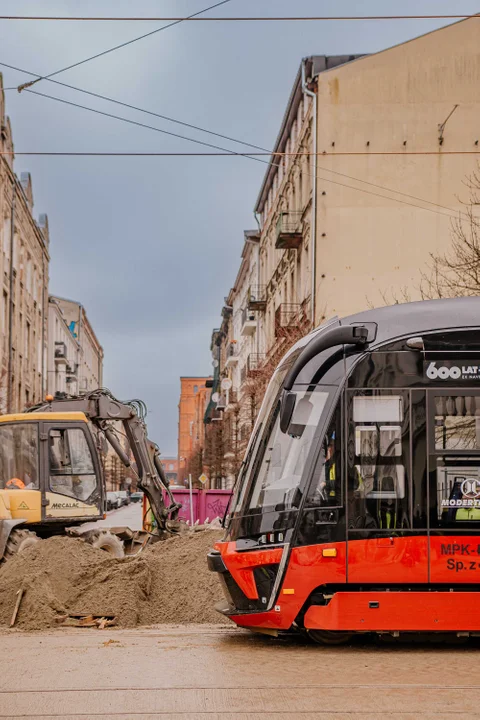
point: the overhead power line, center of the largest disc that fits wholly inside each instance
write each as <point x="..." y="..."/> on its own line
<point x="233" y="153"/>
<point x="206" y="154"/>
<point x="258" y="156"/>
<point x="283" y="18"/>
<point x="143" y="125"/>
<point x="210" y="132"/>
<point x="176" y="21"/>
<point x="130" y="106"/>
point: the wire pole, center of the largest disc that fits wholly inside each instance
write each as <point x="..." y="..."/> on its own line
<point x="191" y="498"/>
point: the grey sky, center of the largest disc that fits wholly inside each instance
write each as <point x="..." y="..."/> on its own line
<point x="151" y="245"/>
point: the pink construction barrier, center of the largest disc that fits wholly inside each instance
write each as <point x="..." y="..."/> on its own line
<point x="207" y="504"/>
<point x="214" y="504"/>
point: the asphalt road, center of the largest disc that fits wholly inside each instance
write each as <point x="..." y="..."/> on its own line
<point x="218" y="673"/>
<point x="128" y="515"/>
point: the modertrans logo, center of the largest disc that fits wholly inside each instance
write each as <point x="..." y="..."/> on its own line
<point x="449" y="370"/>
<point x="470" y="495"/>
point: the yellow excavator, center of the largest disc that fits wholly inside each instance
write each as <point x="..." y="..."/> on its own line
<point x="51" y="474"/>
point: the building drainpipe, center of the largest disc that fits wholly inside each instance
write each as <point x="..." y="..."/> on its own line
<point x="79" y="352"/>
<point x="10" y="308"/>
<point x="313" y="223"/>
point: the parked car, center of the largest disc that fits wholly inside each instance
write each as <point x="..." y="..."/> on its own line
<point x="136" y="497"/>
<point x="113" y="501"/>
<point x="124" y="497"/>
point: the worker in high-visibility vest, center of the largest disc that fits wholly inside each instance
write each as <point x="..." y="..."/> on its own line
<point x="330" y="471"/>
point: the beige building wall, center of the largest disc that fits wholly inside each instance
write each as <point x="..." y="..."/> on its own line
<point x="24" y="260"/>
<point x="371" y="247"/>
<point x="90" y="352"/>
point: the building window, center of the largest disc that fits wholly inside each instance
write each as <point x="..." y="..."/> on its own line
<point x="195" y="389"/>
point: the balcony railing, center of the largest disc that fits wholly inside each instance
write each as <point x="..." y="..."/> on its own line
<point x="257" y="297"/>
<point x="255" y="362"/>
<point x="288" y="231"/>
<point x="249" y="322"/>
<point x="252" y="367"/>
<point x="287" y="315"/>
<point x="61" y="353"/>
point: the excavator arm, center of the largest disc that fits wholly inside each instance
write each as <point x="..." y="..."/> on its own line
<point x="102" y="409"/>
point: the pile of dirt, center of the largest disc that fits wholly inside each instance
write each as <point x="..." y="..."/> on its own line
<point x="168" y="583"/>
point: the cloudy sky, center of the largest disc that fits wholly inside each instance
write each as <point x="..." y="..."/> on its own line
<point x="151" y="246"/>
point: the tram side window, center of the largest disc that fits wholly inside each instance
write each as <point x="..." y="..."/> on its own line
<point x="377" y="482"/>
<point x="457" y="422"/>
<point x="457" y="492"/>
<point x="326" y="487"/>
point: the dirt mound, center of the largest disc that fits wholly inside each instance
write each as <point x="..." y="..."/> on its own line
<point x="169" y="582"/>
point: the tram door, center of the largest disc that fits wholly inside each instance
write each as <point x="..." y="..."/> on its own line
<point x="454" y="485"/>
<point x="382" y="544"/>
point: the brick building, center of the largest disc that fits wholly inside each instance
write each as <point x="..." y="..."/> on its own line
<point x="191" y="409"/>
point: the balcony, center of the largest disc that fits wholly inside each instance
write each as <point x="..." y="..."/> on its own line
<point x="232" y="355"/>
<point x="249" y="322"/>
<point x="255" y="363"/>
<point x="287" y="315"/>
<point x="257" y="297"/>
<point x="61" y="354"/>
<point x="289" y="231"/>
<point x="253" y="366"/>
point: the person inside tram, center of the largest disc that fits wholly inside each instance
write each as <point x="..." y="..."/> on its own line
<point x="325" y="492"/>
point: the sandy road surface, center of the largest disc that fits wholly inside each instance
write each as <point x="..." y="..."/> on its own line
<point x="213" y="673"/>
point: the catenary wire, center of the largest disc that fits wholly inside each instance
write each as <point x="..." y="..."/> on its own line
<point x="255" y="156"/>
<point x="179" y="154"/>
<point x="250" y="156"/>
<point x="143" y="125"/>
<point x="232" y="153"/>
<point x="128" y="42"/>
<point x="220" y="135"/>
<point x="272" y="18"/>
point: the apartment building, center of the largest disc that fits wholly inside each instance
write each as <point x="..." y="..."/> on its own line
<point x="24" y="262"/>
<point x="85" y="368"/>
<point x="285" y="211"/>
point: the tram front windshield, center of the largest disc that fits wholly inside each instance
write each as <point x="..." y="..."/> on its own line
<point x="278" y="477"/>
<point x="273" y="475"/>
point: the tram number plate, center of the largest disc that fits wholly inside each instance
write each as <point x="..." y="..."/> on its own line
<point x="466" y="550"/>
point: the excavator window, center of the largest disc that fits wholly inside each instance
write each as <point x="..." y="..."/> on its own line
<point x="19" y="456"/>
<point x="72" y="470"/>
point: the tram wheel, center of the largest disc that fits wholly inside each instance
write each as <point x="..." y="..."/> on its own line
<point x="330" y="637"/>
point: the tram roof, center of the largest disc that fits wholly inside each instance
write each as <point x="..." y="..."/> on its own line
<point x="409" y="319"/>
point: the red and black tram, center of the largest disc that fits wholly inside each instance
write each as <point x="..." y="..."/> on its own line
<point x="357" y="507"/>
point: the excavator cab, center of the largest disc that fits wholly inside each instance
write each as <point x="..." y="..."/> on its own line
<point x="50" y="474"/>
